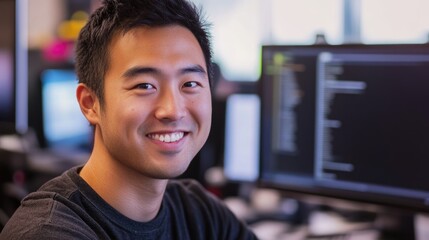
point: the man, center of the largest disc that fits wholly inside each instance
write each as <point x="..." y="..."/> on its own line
<point x="144" y="68"/>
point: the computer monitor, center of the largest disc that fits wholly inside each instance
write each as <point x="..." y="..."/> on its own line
<point x="13" y="107"/>
<point x="347" y="121"/>
<point x="64" y="126"/>
<point x="7" y="87"/>
<point x="242" y="134"/>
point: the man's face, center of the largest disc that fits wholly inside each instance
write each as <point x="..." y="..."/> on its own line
<point x="157" y="110"/>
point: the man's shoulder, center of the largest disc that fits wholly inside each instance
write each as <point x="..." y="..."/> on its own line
<point x="42" y="214"/>
<point x="49" y="210"/>
<point x="63" y="184"/>
<point x="56" y="190"/>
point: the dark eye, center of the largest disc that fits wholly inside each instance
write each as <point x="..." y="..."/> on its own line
<point x="145" y="86"/>
<point x="190" y="84"/>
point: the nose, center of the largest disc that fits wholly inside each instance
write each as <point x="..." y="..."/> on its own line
<point x="170" y="106"/>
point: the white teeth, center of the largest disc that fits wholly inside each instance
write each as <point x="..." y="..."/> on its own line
<point x="172" y="137"/>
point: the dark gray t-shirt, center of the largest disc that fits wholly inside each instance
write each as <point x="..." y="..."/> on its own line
<point x="68" y="208"/>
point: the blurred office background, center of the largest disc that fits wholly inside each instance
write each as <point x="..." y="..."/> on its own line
<point x="240" y="27"/>
<point x="32" y="148"/>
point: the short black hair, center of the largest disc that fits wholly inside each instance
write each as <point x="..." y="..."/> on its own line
<point x="119" y="17"/>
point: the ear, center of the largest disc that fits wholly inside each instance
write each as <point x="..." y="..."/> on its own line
<point x="88" y="102"/>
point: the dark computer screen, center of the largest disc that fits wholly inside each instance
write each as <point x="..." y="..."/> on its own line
<point x="347" y="121"/>
<point x="7" y="62"/>
<point x="64" y="126"/>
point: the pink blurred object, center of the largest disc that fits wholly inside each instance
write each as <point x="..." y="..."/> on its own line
<point x="58" y="51"/>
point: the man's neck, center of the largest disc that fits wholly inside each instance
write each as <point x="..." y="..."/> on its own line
<point x="135" y="196"/>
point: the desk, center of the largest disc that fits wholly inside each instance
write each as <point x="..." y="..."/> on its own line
<point x="330" y="223"/>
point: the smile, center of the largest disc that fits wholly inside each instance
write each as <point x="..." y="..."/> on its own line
<point x="168" y="138"/>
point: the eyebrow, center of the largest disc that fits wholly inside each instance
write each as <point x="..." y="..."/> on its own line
<point x="138" y="70"/>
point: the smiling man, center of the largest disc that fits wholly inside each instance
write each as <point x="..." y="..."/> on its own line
<point x="144" y="85"/>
